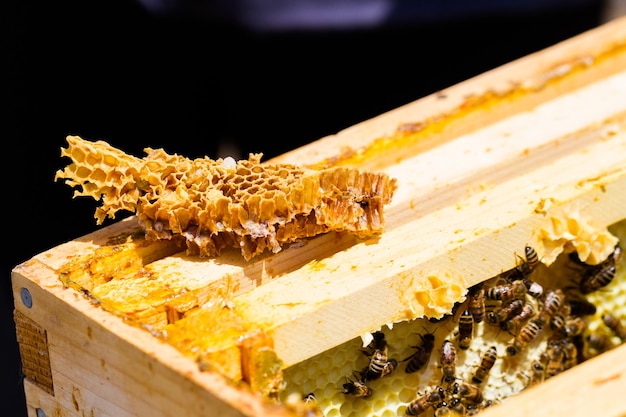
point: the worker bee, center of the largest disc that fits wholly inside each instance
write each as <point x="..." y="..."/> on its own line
<point x="551" y="305"/>
<point x="505" y="312"/>
<point x="423" y="402"/>
<point x="596" y="279"/>
<point x="599" y="342"/>
<point x="515" y="323"/>
<point x="421" y="356"/>
<point x="570" y="354"/>
<point x="574" y="326"/>
<point x="448" y="361"/>
<point x="532" y="259"/>
<point x="476" y="303"/>
<point x="525" y="266"/>
<point x="524" y="269"/>
<point x="466" y="329"/>
<point x="533" y="288"/>
<point x="601" y="275"/>
<point x="557" y="321"/>
<point x="470" y="394"/>
<point x="357" y="388"/>
<point x="613" y="323"/>
<point x="487" y="361"/>
<point x="303" y="405"/>
<point x="379" y="342"/>
<point x="473" y="409"/>
<point x="507" y="292"/>
<point x="455" y="408"/>
<point x="527" y="334"/>
<point x="380" y="365"/>
<point x="537" y="373"/>
<point x="554" y="358"/>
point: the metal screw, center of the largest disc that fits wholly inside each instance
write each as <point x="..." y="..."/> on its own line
<point x="40" y="412"/>
<point x="27" y="299"/>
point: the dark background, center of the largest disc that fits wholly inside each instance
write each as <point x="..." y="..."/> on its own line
<point x="110" y="70"/>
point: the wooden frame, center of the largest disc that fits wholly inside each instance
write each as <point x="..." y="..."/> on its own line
<point x="481" y="167"/>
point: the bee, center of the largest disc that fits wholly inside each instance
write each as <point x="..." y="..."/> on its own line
<point x="423" y="402"/>
<point x="421" y="356"/>
<point x="476" y="303"/>
<point x="487" y="361"/>
<point x="356" y="388"/>
<point x="534" y="289"/>
<point x="505" y="312"/>
<point x="570" y="354"/>
<point x="601" y="275"/>
<point x="527" y="334"/>
<point x="597" y="278"/>
<point x="532" y="259"/>
<point x="469" y="393"/>
<point x="555" y="356"/>
<point x="379" y="342"/>
<point x="515" y="323"/>
<point x="507" y="292"/>
<point x="613" y="323"/>
<point x="599" y="342"/>
<point x="525" y="265"/>
<point x="305" y="405"/>
<point x="380" y="365"/>
<point x="448" y="361"/>
<point x="574" y="326"/>
<point x="557" y="321"/>
<point x="525" y="268"/>
<point x="551" y="305"/>
<point x="537" y="373"/>
<point x="455" y="408"/>
<point x="466" y="329"/>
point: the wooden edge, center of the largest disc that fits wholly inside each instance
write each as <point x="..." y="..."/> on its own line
<point x="89" y="348"/>
<point x="460" y="109"/>
<point x="592" y="388"/>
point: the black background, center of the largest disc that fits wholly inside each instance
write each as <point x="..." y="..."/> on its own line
<point x="109" y="70"/>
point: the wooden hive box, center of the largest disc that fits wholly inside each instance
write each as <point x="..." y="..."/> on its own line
<point x="483" y="168"/>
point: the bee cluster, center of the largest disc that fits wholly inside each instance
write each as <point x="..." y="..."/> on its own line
<point x="511" y="332"/>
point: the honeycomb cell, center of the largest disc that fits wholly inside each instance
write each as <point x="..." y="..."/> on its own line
<point x="389" y="413"/>
<point x="405" y="395"/>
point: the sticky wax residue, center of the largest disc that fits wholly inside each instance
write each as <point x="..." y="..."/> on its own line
<point x="568" y="231"/>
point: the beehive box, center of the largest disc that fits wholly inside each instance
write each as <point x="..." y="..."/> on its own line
<point x="530" y="154"/>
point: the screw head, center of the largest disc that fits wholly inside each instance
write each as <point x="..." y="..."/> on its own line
<point x="27" y="299"/>
<point x="40" y="412"/>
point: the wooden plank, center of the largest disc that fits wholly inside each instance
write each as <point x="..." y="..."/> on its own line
<point x="470" y="105"/>
<point x="595" y="387"/>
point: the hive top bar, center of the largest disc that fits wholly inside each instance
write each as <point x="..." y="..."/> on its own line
<point x="213" y="204"/>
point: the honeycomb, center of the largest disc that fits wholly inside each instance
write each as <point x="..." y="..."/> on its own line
<point x="581" y="329"/>
<point x="213" y="204"/>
